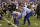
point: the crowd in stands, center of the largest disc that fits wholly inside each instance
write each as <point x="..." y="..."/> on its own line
<point x="13" y="4"/>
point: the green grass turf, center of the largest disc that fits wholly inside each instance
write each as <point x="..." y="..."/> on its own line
<point x="33" y="20"/>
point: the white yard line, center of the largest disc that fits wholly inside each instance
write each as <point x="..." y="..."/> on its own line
<point x="0" y="24"/>
<point x="11" y="23"/>
<point x="36" y="24"/>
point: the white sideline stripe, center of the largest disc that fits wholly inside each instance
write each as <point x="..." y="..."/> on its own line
<point x="0" y="24"/>
<point x="11" y="23"/>
<point x="36" y="24"/>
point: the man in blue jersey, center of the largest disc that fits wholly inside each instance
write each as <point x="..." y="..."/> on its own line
<point x="26" y="16"/>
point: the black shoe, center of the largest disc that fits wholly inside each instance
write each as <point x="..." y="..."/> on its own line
<point x="23" y="24"/>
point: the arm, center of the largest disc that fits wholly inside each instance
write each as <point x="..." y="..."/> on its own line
<point x="11" y="19"/>
<point x="23" y="14"/>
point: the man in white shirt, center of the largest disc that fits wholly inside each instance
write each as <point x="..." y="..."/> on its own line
<point x="14" y="15"/>
<point x="26" y="16"/>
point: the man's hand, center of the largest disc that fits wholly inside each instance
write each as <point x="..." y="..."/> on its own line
<point x="23" y="18"/>
<point x="17" y="14"/>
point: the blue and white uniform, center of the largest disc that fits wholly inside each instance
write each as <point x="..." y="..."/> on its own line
<point x="15" y="15"/>
<point x="29" y="13"/>
<point x="25" y="10"/>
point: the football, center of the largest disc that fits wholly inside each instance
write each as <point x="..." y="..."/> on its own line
<point x="9" y="23"/>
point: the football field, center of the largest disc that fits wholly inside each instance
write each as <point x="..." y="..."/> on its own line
<point x="34" y="22"/>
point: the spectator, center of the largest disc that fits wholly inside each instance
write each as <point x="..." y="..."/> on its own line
<point x="38" y="10"/>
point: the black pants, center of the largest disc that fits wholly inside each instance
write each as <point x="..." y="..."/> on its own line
<point x="38" y="14"/>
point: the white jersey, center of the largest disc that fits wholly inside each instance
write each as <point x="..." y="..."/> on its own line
<point x="16" y="6"/>
<point x="33" y="5"/>
<point x="25" y="10"/>
<point x="14" y="14"/>
<point x="25" y="5"/>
